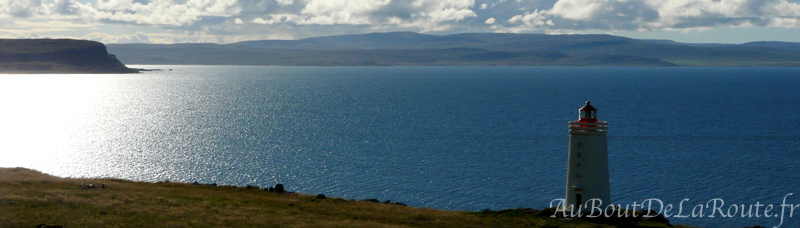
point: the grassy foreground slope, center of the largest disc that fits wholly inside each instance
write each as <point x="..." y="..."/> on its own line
<point x="57" y="56"/>
<point x="28" y="198"/>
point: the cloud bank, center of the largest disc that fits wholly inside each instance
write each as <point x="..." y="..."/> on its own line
<point x="654" y="15"/>
<point x="233" y="20"/>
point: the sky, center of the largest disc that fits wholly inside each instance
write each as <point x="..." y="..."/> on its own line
<point x="228" y="21"/>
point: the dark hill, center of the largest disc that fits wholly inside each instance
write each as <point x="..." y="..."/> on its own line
<point x="774" y="44"/>
<point x="57" y="56"/>
<point x="394" y="40"/>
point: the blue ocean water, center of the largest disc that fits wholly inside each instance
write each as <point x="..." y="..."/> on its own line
<point x="459" y="138"/>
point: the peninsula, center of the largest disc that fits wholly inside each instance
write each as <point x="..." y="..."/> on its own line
<point x="57" y="56"/>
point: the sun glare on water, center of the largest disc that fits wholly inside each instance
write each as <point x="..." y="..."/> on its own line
<point x="40" y="114"/>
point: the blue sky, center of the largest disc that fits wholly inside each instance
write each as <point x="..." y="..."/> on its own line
<point x="226" y="21"/>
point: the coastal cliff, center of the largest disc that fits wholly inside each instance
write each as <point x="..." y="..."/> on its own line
<point x="57" y="56"/>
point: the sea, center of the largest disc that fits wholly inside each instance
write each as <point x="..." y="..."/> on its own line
<point x="720" y="147"/>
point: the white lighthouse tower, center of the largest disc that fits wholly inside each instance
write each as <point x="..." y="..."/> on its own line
<point x="587" y="173"/>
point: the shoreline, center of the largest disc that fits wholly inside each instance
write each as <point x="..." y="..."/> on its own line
<point x="29" y="197"/>
<point x="73" y="71"/>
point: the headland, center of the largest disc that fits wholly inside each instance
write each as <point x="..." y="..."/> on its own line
<point x="59" y="56"/>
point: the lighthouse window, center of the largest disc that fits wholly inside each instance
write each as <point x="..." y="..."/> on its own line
<point x="579" y="164"/>
<point x="579" y="144"/>
<point x="583" y="114"/>
<point x="579" y="175"/>
<point x="579" y="154"/>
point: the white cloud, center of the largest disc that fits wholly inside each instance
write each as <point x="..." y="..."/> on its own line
<point x="500" y="1"/>
<point x="484" y="6"/>
<point x="114" y="4"/>
<point x="490" y="21"/>
<point x="425" y="15"/>
<point x="261" y="21"/>
<point x="156" y="38"/>
<point x="285" y="2"/>
<point x="654" y="15"/>
<point x="535" y="19"/>
<point x="238" y="21"/>
<point x="447" y="9"/>
<point x="577" y="9"/>
<point x="792" y="23"/>
<point x="138" y="37"/>
<point x="164" y="12"/>
<point x="20" y="8"/>
<point x="22" y="28"/>
<point x="329" y="12"/>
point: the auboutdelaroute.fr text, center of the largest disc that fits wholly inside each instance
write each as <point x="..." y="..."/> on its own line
<point x="712" y="208"/>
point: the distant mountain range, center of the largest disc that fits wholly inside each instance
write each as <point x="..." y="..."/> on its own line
<point x="502" y="49"/>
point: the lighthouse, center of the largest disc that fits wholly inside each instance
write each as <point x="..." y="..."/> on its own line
<point x="587" y="171"/>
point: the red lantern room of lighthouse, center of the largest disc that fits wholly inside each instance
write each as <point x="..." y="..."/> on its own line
<point x="587" y="114"/>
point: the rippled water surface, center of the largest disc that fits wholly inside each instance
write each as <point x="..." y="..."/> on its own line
<point x="460" y="138"/>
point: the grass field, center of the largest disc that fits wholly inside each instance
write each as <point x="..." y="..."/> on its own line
<point x="28" y="198"/>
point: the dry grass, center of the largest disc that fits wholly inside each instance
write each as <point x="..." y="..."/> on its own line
<point x="28" y="198"/>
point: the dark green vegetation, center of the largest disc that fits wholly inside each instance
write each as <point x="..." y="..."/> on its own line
<point x="57" y="56"/>
<point x="412" y="49"/>
<point x="28" y="198"/>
